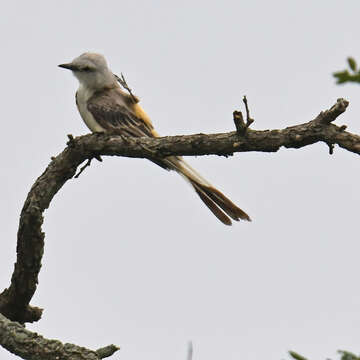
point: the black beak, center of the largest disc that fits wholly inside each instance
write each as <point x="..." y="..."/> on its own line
<point x="69" y="66"/>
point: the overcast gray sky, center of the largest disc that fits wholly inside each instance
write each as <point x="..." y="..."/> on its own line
<point x="132" y="257"/>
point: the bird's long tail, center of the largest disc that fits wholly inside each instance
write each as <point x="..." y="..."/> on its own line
<point x="222" y="207"/>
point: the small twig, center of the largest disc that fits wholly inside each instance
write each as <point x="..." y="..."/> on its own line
<point x="238" y="118"/>
<point x="124" y="84"/>
<point x="249" y="120"/>
<point x="88" y="163"/>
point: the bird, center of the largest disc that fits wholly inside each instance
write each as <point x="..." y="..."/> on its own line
<point x="106" y="108"/>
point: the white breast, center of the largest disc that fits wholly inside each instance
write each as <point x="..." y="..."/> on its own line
<point x="82" y="97"/>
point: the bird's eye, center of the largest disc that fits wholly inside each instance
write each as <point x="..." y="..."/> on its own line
<point x="86" y="68"/>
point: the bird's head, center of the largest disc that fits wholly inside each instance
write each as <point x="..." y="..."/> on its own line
<point x="91" y="70"/>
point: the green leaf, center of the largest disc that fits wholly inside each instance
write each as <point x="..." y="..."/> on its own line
<point x="352" y="63"/>
<point x="296" y="356"/>
<point x="346" y="355"/>
<point x="342" y="76"/>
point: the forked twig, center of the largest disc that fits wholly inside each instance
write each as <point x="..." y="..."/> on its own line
<point x="238" y="118"/>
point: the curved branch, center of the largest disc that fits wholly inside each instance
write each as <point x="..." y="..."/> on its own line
<point x="14" y="301"/>
<point x="29" y="345"/>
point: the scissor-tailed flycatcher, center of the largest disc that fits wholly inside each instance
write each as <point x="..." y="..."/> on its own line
<point x="104" y="107"/>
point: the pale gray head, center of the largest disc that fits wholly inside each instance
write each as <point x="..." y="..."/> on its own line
<point x="92" y="71"/>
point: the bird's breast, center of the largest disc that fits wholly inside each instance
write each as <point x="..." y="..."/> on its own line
<point x="82" y="97"/>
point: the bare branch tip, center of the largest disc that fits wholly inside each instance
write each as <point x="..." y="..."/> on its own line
<point x="331" y="148"/>
<point x="239" y="122"/>
<point x="71" y="140"/>
<point x="342" y="102"/>
<point x="249" y="120"/>
<point x="106" y="351"/>
<point x="328" y="116"/>
<point x="246" y="104"/>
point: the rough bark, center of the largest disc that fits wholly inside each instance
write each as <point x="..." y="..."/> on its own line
<point x="14" y="301"/>
<point x="31" y="346"/>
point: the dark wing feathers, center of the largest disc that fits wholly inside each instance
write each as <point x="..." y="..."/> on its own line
<point x="116" y="116"/>
<point x="111" y="111"/>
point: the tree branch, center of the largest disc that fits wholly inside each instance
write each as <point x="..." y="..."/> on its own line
<point x="14" y="301"/>
<point x="31" y="346"/>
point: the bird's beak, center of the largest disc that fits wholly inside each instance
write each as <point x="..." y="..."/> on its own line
<point x="69" y="66"/>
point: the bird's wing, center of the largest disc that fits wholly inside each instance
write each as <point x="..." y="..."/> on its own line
<point x="113" y="111"/>
<point x="117" y="114"/>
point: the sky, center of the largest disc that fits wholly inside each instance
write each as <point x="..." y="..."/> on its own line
<point x="132" y="257"/>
